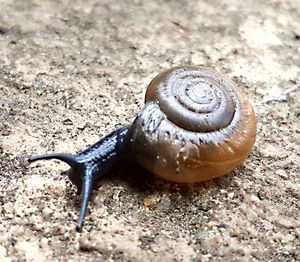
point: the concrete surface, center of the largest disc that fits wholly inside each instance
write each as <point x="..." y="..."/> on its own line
<point x="72" y="71"/>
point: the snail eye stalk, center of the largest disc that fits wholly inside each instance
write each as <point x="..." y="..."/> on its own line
<point x="80" y="171"/>
<point x="91" y="164"/>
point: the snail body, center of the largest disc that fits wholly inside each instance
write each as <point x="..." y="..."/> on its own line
<point x="195" y="126"/>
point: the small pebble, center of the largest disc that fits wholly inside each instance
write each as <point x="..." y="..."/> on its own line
<point x="47" y="212"/>
<point x="282" y="173"/>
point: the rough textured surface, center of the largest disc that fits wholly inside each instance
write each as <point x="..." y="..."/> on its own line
<point x="71" y="71"/>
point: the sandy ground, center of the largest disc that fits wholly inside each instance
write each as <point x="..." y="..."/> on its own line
<point x="72" y="71"/>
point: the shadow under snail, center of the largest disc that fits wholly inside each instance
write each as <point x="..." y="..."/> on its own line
<point x="195" y="126"/>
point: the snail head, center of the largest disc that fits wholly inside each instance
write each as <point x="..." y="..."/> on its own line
<point x="80" y="174"/>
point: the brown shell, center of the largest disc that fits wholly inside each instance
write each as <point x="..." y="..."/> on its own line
<point x="171" y="147"/>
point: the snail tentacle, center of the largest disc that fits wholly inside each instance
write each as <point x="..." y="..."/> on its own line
<point x="91" y="164"/>
<point x="67" y="158"/>
<point x="87" y="184"/>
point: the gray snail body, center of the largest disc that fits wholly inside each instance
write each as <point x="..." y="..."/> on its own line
<point x="196" y="125"/>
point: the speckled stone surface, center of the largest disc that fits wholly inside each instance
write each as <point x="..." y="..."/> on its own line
<point x="72" y="71"/>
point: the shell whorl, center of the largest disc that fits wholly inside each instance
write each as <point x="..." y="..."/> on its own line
<point x="195" y="126"/>
<point x="195" y="99"/>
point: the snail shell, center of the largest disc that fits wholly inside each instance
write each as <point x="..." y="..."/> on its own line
<point x="195" y="126"/>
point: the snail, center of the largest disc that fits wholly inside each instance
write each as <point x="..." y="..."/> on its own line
<point x="195" y="126"/>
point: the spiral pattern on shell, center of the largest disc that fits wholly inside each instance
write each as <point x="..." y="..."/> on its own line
<point x="196" y="100"/>
<point x="195" y="126"/>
